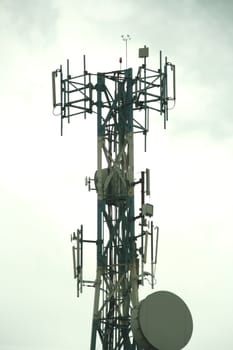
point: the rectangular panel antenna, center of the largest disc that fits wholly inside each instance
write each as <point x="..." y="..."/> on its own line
<point x="148" y="182"/>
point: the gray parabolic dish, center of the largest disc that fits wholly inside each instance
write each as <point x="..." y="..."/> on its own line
<point x="162" y="321"/>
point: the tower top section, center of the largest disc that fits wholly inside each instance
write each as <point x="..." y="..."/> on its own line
<point x="152" y="89"/>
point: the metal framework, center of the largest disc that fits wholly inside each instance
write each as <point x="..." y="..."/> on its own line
<point x="121" y="249"/>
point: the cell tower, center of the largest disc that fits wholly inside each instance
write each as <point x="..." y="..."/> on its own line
<point x="126" y="243"/>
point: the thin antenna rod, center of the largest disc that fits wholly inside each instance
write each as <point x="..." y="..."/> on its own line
<point x="125" y="38"/>
<point x="165" y="92"/>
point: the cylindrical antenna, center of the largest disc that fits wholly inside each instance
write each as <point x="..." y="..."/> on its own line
<point x="54" y="74"/>
<point x="146" y="127"/>
<point x="81" y="260"/>
<point x="61" y="97"/>
<point x="74" y="261"/>
<point x="85" y="83"/>
<point x="78" y="266"/>
<point x="68" y="88"/>
<point x="142" y="221"/>
<point x="145" y="248"/>
<point x="125" y="38"/>
<point x="174" y="81"/>
<point x="152" y="253"/>
<point x="161" y="81"/>
<point x="165" y="94"/>
<point x="156" y="244"/>
<point x="148" y="182"/>
<point x="145" y="102"/>
<point x="144" y="53"/>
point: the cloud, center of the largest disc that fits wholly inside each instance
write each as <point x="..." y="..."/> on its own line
<point x="198" y="41"/>
<point x="32" y="23"/>
<point x="109" y="12"/>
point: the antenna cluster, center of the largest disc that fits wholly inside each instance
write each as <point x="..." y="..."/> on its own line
<point x="77" y="94"/>
<point x="126" y="244"/>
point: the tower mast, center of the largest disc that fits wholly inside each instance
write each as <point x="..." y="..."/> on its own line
<point x="116" y="275"/>
<point x="117" y="98"/>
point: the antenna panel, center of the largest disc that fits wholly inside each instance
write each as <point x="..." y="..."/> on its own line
<point x="148" y="182"/>
<point x="143" y="52"/>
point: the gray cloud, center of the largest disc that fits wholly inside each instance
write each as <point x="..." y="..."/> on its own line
<point x="32" y="22"/>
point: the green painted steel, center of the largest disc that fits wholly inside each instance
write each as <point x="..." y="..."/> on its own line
<point x="116" y="254"/>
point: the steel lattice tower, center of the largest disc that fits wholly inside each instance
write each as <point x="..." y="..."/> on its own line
<point x="117" y="97"/>
<point x="116" y="249"/>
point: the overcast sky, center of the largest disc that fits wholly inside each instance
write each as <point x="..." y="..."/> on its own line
<point x="42" y="194"/>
